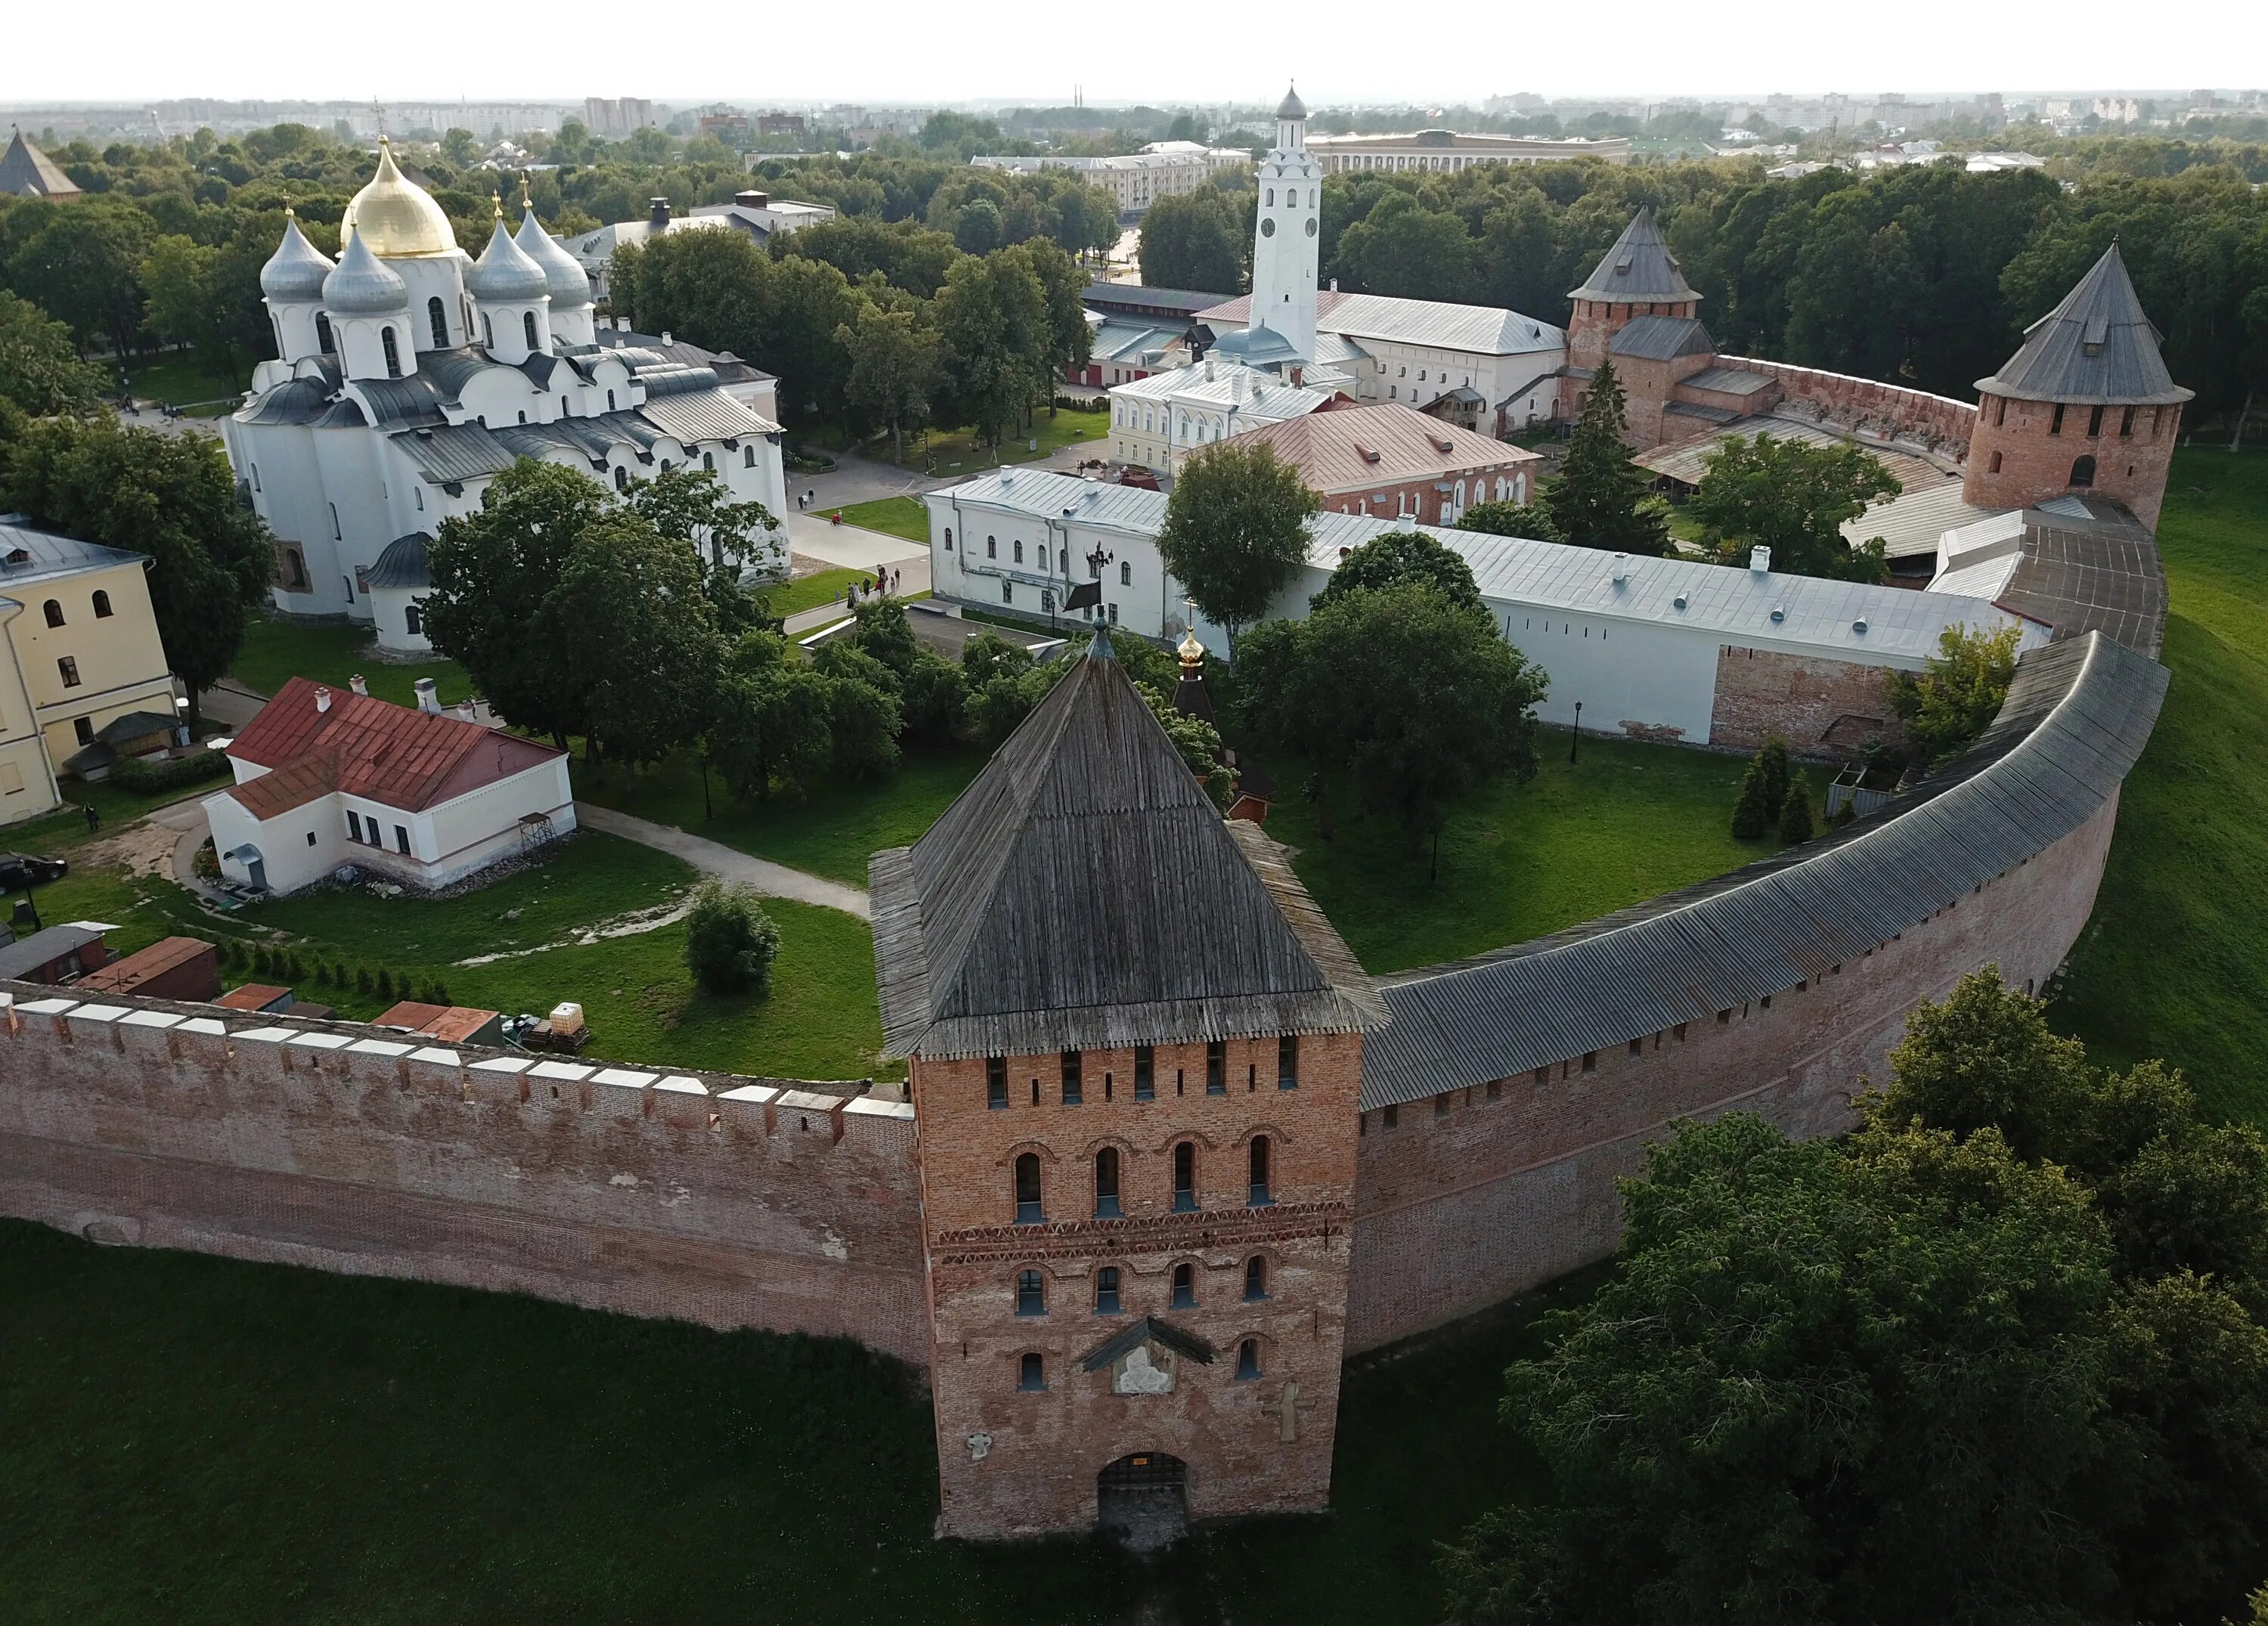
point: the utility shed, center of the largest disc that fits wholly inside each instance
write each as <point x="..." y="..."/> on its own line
<point x="170" y="968"/>
<point x="54" y="955"/>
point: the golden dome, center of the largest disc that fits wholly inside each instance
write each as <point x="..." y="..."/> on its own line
<point x="398" y="219"/>
<point x="1191" y="652"/>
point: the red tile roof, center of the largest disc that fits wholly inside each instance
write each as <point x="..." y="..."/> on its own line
<point x="450" y="1024"/>
<point x="253" y="996"/>
<point x="397" y="756"/>
<point x="1385" y="445"/>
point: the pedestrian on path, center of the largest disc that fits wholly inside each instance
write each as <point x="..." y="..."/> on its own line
<point x="93" y="820"/>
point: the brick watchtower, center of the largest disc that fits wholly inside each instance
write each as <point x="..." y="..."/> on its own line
<point x="2085" y="404"/>
<point x="1135" y="1052"/>
<point x="1637" y="277"/>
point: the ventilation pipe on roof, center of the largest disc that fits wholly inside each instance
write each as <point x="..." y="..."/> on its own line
<point x="1760" y="561"/>
<point x="358" y="685"/>
<point x="1622" y="568"/>
<point x="322" y="699"/>
<point x="428" y="701"/>
<point x="660" y="218"/>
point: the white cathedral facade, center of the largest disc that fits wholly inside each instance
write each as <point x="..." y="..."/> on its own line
<point x="408" y="375"/>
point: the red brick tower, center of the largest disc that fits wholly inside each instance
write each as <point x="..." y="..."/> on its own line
<point x="1638" y="278"/>
<point x="2085" y="404"/>
<point x="1136" y="1051"/>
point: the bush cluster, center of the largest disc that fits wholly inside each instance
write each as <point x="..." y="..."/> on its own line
<point x="144" y="777"/>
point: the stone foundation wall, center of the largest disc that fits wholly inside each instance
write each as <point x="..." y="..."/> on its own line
<point x="718" y="1200"/>
<point x="1488" y="1191"/>
<point x="1825" y="710"/>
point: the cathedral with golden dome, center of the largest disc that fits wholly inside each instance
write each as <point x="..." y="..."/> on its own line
<point x="408" y="374"/>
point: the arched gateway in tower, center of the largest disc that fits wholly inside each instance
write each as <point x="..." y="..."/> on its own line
<point x="1134" y="1051"/>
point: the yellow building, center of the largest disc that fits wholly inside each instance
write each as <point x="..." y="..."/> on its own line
<point x="84" y="679"/>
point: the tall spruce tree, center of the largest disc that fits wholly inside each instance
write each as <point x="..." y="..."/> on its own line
<point x="1600" y="499"/>
<point x="1795" y="823"/>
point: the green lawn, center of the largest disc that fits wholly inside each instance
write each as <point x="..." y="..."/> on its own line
<point x="805" y="592"/>
<point x="2175" y="963"/>
<point x="188" y="377"/>
<point x="832" y="832"/>
<point x="893" y="516"/>
<point x="957" y="451"/>
<point x="198" y="1440"/>
<point x="276" y="651"/>
<point x="1627" y="822"/>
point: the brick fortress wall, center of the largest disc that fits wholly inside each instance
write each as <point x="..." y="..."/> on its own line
<point x="1487" y="1191"/>
<point x="1887" y="410"/>
<point x="769" y="1206"/>
<point x="1824" y="708"/>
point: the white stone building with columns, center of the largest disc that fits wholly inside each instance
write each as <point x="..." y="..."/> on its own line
<point x="408" y="375"/>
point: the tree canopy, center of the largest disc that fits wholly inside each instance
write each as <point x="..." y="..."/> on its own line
<point x="1403" y="556"/>
<point x="1795" y="498"/>
<point x="1236" y="530"/>
<point x="1200" y="240"/>
<point x="1950" y="705"/>
<point x="1600" y="498"/>
<point x="1994" y="1357"/>
<point x="170" y="496"/>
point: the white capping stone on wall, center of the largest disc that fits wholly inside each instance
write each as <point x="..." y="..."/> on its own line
<point x="445" y="1058"/>
<point x="621" y="1076"/>
<point x="101" y="1013"/>
<point x="150" y="1019"/>
<point x="567" y="1071"/>
<point x="867" y="1106"/>
<point x="682" y="1085"/>
<point x="379" y="1047"/>
<point x="269" y="1035"/>
<point x="756" y="1094"/>
<point x="321" y="1041"/>
<point x="203" y="1024"/>
<point x="48" y="1007"/>
<point x="503" y="1065"/>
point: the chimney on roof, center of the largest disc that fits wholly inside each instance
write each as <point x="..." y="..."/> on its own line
<point x="322" y="699"/>
<point x="358" y="685"/>
<point x="1760" y="561"/>
<point x="465" y="710"/>
<point x="665" y="336"/>
<point x="1334" y="285"/>
<point x="753" y="200"/>
<point x="428" y="701"/>
<point x="659" y="220"/>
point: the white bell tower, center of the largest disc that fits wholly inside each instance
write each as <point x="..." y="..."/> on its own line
<point x="1284" y="249"/>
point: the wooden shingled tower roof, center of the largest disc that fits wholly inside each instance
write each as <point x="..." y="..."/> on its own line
<point x="1083" y="892"/>
<point x="1639" y="268"/>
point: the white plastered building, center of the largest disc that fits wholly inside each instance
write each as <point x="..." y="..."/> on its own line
<point x="408" y="376"/>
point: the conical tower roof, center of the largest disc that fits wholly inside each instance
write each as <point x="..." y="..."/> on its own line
<point x="2097" y="347"/>
<point x="1083" y="892"/>
<point x="1639" y="267"/>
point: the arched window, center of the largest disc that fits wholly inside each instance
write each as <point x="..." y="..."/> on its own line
<point x="527" y="327"/>
<point x="709" y="462"/>
<point x="1185" y="1177"/>
<point x="2082" y="471"/>
<point x="1185" y="1288"/>
<point x="488" y="330"/>
<point x="413" y="621"/>
<point x="1255" y="1278"/>
<point x="991" y="547"/>
<point x="948" y="539"/>
<point x="101" y="604"/>
<point x="1027" y="1189"/>
<point x="748" y="457"/>
<point x="621" y="478"/>
<point x="323" y="333"/>
<point x="1019" y="545"/>
<point x="1259" y="1193"/>
<point x="1271" y="197"/>
<point x="610" y="400"/>
<point x="1105" y="1290"/>
<point x="1032" y="1375"/>
<point x="392" y="348"/>
<point x="438" y="315"/>
<point x="1106" y="1184"/>
<point x="53" y="612"/>
<point x="1248" y="1358"/>
<point x="1031" y="1293"/>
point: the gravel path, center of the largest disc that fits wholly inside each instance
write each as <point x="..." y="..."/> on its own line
<point x="773" y="881"/>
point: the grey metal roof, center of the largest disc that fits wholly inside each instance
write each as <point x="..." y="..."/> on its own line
<point x="132" y="725"/>
<point x="1137" y="299"/>
<point x="1083" y="892"/>
<point x="505" y="272"/>
<point x="48" y="555"/>
<point x="1661" y="338"/>
<point x="1911" y="523"/>
<point x="2075" y="720"/>
<point x="30" y="953"/>
<point x="1727" y="380"/>
<point x="2099" y="571"/>
<point x="1639" y="268"/>
<point x="1292" y="107"/>
<point x="1481" y="329"/>
<point x="1685" y="461"/>
<point x="674" y="380"/>
<point x="710" y="414"/>
<point x="452" y="453"/>
<point x="2096" y="346"/>
<point x="403" y="563"/>
<point x="295" y="401"/>
<point x="363" y="284"/>
<point x="344" y="413"/>
<point x="415" y="401"/>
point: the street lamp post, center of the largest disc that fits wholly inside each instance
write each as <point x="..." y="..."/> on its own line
<point x="1575" y="734"/>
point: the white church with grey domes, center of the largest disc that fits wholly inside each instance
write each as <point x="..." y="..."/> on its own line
<point x="408" y="375"/>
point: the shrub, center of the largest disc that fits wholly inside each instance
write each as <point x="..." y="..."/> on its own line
<point x="935" y="695"/>
<point x="1795" y="813"/>
<point x="729" y="942"/>
<point x="1955" y="698"/>
<point x="1844" y="814"/>
<point x="361" y="980"/>
<point x="263" y="961"/>
<point x="437" y="993"/>
<point x="294" y="973"/>
<point x="146" y="778"/>
<point x="385" y="985"/>
<point x="1754" y="810"/>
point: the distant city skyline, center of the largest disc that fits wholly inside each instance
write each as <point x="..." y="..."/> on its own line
<point x="1654" y="50"/>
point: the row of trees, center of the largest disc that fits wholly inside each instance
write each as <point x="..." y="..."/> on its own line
<point x="1923" y="276"/>
<point x="1998" y="1356"/>
<point x="916" y="331"/>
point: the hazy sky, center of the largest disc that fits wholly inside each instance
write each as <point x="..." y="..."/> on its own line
<point x="1342" y="51"/>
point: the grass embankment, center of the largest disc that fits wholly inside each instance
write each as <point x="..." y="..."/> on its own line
<point x="951" y="450"/>
<point x="1626" y="822"/>
<point x="831" y="832"/>
<point x="805" y="592"/>
<point x="2175" y="963"/>
<point x="203" y="1440"/>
